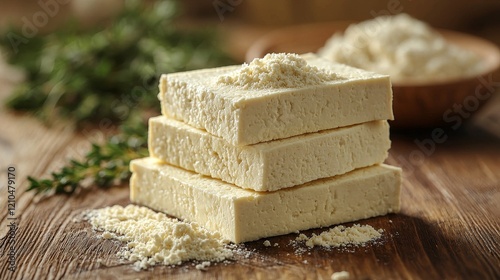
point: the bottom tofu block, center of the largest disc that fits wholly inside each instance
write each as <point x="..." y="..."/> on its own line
<point x="242" y="215"/>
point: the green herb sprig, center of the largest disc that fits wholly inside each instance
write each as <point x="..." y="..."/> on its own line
<point x="104" y="165"/>
<point x="86" y="76"/>
<point x="89" y="75"/>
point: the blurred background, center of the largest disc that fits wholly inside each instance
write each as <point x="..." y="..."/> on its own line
<point x="241" y="22"/>
<point x="112" y="48"/>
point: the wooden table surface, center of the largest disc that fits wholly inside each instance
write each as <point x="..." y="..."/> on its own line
<point x="448" y="228"/>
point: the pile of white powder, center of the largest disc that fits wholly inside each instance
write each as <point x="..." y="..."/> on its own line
<point x="276" y="70"/>
<point x="153" y="238"/>
<point x="341" y="236"/>
<point x="401" y="47"/>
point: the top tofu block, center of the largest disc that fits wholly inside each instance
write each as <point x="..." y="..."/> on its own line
<point x="244" y="117"/>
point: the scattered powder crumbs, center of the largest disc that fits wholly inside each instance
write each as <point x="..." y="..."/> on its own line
<point x="153" y="238"/>
<point x="402" y="47"/>
<point x="299" y="250"/>
<point x="276" y="244"/>
<point x="302" y="237"/>
<point x="108" y="235"/>
<point x="341" y="275"/>
<point x="339" y="236"/>
<point x="267" y="243"/>
<point x="277" y="70"/>
<point x="203" y="265"/>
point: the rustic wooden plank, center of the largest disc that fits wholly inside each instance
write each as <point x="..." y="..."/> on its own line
<point x="448" y="228"/>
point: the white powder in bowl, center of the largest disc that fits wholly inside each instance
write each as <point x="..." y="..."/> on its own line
<point x="153" y="238"/>
<point x="402" y="47"/>
<point x="276" y="70"/>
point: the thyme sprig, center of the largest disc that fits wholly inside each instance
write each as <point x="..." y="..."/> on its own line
<point x="90" y="75"/>
<point x="104" y="165"/>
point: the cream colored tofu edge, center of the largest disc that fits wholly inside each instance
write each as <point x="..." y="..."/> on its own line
<point x="320" y="109"/>
<point x="346" y="71"/>
<point x="250" y="120"/>
<point x="240" y="209"/>
<point x="245" y="125"/>
<point x="272" y="165"/>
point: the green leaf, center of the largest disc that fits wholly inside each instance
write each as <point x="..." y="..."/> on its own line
<point x="111" y="73"/>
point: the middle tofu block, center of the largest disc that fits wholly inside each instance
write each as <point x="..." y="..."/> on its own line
<point x="271" y="165"/>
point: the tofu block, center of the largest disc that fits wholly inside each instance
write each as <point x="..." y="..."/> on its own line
<point x="271" y="165"/>
<point x="242" y="215"/>
<point x="244" y="117"/>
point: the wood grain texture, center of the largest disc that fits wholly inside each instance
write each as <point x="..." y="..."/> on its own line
<point x="449" y="226"/>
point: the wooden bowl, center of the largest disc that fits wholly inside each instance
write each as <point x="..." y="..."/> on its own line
<point x="416" y="104"/>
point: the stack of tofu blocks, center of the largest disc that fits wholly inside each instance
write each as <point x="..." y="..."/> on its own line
<point x="252" y="164"/>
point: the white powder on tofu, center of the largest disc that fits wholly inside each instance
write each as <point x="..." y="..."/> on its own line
<point x="341" y="236"/>
<point x="276" y="70"/>
<point x="153" y="238"/>
<point x="341" y="275"/>
<point x="402" y="47"/>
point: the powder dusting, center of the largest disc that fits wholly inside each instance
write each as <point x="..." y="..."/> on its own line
<point x="276" y="70"/>
<point x="402" y="47"/>
<point x="203" y="265"/>
<point x="153" y="238"/>
<point x="341" y="275"/>
<point x="341" y="236"/>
